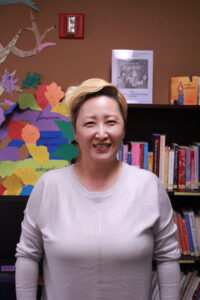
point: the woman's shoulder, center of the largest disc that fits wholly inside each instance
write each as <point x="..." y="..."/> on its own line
<point x="140" y="173"/>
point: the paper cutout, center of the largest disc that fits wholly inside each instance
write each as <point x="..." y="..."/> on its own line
<point x="16" y="143"/>
<point x="2" y="189"/>
<point x="5" y="51"/>
<point x="11" y="48"/>
<point x="2" y="116"/>
<point x="54" y="94"/>
<point x="31" y="80"/>
<point x="61" y="108"/>
<point x="30" y="134"/>
<point x="8" y="111"/>
<point x="66" y="129"/>
<point x="13" y="185"/>
<point x="9" y="153"/>
<point x="8" y="82"/>
<point x="26" y="190"/>
<point x="52" y="140"/>
<point x="44" y="45"/>
<point x="27" y="2"/>
<point x="15" y="130"/>
<point x="28" y="101"/>
<point x="38" y="37"/>
<point x="39" y="153"/>
<point x="44" y="120"/>
<point x="4" y="143"/>
<point x="40" y="95"/>
<point x="23" y="151"/>
<point x="26" y="175"/>
<point x="66" y="151"/>
<point x="8" y="101"/>
<point x="7" y="167"/>
<point x="1" y="87"/>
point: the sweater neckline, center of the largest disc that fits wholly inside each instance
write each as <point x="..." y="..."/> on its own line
<point x="100" y="195"/>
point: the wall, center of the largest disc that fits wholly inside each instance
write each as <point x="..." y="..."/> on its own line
<point x="170" y="28"/>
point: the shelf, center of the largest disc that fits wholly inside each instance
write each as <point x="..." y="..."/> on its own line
<point x="184" y="193"/>
<point x="165" y="106"/>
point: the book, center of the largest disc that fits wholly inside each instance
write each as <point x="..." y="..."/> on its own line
<point x="171" y="170"/>
<point x="189" y="232"/>
<point x="150" y="161"/>
<point x="181" y="168"/>
<point x="175" y="147"/>
<point x="156" y="152"/>
<point x="184" y="90"/>
<point x="135" y="154"/>
<point x="162" y="157"/>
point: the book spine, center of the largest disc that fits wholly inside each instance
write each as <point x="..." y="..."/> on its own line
<point x="192" y="168"/>
<point x="125" y="153"/>
<point x="187" y="167"/>
<point x="166" y="167"/>
<point x="141" y="155"/>
<point x="146" y="149"/>
<point x="171" y="170"/>
<point x="189" y="233"/>
<point x="135" y="152"/>
<point x="181" y="168"/>
<point x="156" y="153"/>
<point x="150" y="161"/>
<point x="194" y="233"/>
<point x="175" y="147"/>
<point x="162" y="157"/>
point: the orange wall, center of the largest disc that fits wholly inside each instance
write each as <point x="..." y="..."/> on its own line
<point x="170" y="28"/>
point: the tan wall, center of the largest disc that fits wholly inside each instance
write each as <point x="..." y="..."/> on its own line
<point x="170" y="28"/>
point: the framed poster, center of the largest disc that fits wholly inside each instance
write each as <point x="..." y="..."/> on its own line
<point x="132" y="73"/>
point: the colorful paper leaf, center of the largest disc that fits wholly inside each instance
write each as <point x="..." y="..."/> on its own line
<point x="66" y="151"/>
<point x="66" y="129"/>
<point x="31" y="80"/>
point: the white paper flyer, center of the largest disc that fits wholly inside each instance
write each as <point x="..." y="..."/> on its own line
<point x="132" y="73"/>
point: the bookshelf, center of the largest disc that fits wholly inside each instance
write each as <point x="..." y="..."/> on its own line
<point x="180" y="124"/>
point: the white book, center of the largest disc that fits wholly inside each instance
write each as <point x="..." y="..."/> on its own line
<point x="162" y="157"/>
<point x="171" y="170"/>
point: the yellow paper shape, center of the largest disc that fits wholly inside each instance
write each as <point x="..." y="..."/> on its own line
<point x="54" y="94"/>
<point x="61" y="109"/>
<point x="39" y="153"/>
<point x="30" y="134"/>
<point x="7" y="168"/>
<point x="26" y="175"/>
<point x="13" y="185"/>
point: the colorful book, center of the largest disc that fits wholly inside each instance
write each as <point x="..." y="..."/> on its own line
<point x="156" y="152"/>
<point x="171" y="170"/>
<point x="189" y="232"/>
<point x="184" y="90"/>
<point x="181" y="168"/>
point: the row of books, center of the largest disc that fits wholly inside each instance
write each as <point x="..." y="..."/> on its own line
<point x="177" y="166"/>
<point x="190" y="286"/>
<point x="185" y="90"/>
<point x="188" y="232"/>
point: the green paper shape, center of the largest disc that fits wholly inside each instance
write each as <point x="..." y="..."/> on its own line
<point x="66" y="151"/>
<point x="26" y="101"/>
<point x="66" y="129"/>
<point x="31" y="80"/>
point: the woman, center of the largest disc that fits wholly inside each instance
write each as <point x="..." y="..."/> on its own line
<point x="97" y="223"/>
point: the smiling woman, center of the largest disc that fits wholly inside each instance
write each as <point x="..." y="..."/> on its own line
<point x="98" y="223"/>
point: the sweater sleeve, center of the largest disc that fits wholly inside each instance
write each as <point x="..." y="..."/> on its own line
<point x="29" y="250"/>
<point x="166" y="251"/>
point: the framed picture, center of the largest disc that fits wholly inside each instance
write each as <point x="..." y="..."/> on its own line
<point x="132" y="73"/>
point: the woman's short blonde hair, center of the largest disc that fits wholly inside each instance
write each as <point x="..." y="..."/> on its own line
<point x="75" y="96"/>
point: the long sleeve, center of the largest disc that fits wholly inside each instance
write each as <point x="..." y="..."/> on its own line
<point x="26" y="278"/>
<point x="29" y="249"/>
<point x="166" y="251"/>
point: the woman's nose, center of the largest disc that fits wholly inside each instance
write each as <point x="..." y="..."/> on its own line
<point x="101" y="131"/>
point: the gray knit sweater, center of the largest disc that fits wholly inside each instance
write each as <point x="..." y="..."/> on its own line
<point x="98" y="245"/>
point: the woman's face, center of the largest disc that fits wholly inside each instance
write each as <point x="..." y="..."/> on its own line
<point x="99" y="129"/>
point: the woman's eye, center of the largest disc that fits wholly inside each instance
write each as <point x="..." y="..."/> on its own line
<point x="111" y="122"/>
<point x="89" y="124"/>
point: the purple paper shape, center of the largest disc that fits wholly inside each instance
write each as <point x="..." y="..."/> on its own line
<point x="9" y="153"/>
<point x="3" y="132"/>
<point x="43" y="120"/>
<point x="2" y="116"/>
